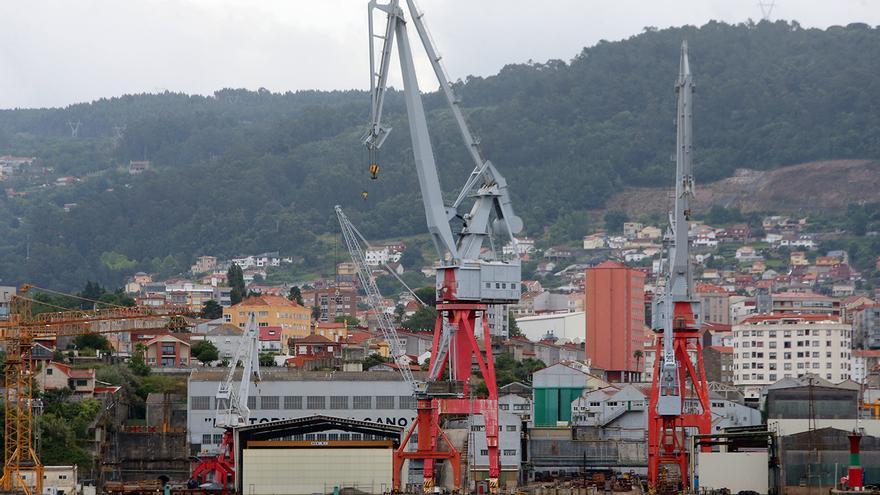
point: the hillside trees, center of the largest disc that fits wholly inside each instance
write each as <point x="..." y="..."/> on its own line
<point x="245" y="172"/>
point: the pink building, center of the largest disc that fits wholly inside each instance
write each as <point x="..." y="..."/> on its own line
<point x="615" y="304"/>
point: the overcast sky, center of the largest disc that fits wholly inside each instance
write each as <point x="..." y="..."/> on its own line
<point x="58" y="52"/>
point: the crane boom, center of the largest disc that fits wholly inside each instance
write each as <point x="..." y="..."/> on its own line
<point x="485" y="183"/>
<point x="355" y="242"/>
<point x="469" y="277"/>
<point x="236" y="411"/>
<point x="677" y="315"/>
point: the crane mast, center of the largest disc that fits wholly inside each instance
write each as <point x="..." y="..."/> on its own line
<point x="469" y="277"/>
<point x="679" y="393"/>
<point x="232" y="408"/>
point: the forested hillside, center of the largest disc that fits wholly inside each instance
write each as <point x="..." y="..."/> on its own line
<point x="243" y="172"/>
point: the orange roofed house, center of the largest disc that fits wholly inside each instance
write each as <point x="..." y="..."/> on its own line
<point x="272" y="311"/>
<point x="615" y="304"/>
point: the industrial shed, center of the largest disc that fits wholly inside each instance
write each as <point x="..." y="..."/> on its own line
<point x="315" y="454"/>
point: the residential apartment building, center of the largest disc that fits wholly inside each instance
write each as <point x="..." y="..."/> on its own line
<point x="767" y="348"/>
<point x="615" y="305"/>
<point x="866" y="324"/>
<point x="272" y="311"/>
<point x="714" y="303"/>
<point x="805" y="303"/>
<point x="167" y="351"/>
<point x="336" y="301"/>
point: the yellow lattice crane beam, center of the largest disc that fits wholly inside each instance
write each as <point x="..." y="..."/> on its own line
<point x="18" y="336"/>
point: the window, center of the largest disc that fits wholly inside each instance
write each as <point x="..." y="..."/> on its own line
<point x="815" y="366"/>
<point x="269" y="402"/>
<point x="504" y="407"/>
<point x="252" y="402"/>
<point x="384" y="402"/>
<point x="168" y="348"/>
<point x="201" y="402"/>
<point x="339" y="402"/>
<point x="49" y="371"/>
<point x="315" y="402"/>
<point x="828" y="366"/>
<point x="510" y="427"/>
<point x="786" y="344"/>
<point x="218" y="439"/>
<point x="206" y="439"/>
<point x="477" y="427"/>
<point x="786" y="366"/>
<point x="509" y="452"/>
<point x="293" y="402"/>
<point x="815" y="354"/>
<point x="362" y="402"/>
<point x="773" y="344"/>
<point x="828" y="343"/>
<point x="484" y="452"/>
<point x="406" y="402"/>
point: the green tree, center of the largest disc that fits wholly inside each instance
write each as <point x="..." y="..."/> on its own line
<point x="428" y="295"/>
<point x="512" y="327"/>
<point x="638" y="355"/>
<point x="137" y="364"/>
<point x="350" y="321"/>
<point x="235" y="280"/>
<point x="295" y="294"/>
<point x="211" y="310"/>
<point x="316" y="313"/>
<point x="374" y="359"/>
<point x="92" y="341"/>
<point x="399" y="313"/>
<point x="614" y="220"/>
<point x="422" y="320"/>
<point x="205" y="351"/>
<point x="267" y="359"/>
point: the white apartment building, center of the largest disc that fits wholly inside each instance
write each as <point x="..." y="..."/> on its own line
<point x="770" y="347"/>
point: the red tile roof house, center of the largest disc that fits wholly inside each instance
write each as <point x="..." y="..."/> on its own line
<point x="270" y="339"/>
<point x="54" y="376"/>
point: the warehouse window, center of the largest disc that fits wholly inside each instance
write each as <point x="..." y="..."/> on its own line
<point x="362" y="402"/>
<point x="293" y="402"/>
<point x="407" y="402"/>
<point x="218" y="439"/>
<point x="384" y="402"/>
<point x="269" y="402"/>
<point x="252" y="402"/>
<point x="511" y="427"/>
<point x="339" y="402"/>
<point x="201" y="402"/>
<point x="477" y="427"/>
<point x="509" y="452"/>
<point x="315" y="402"/>
<point x="484" y="452"/>
<point x="206" y="439"/>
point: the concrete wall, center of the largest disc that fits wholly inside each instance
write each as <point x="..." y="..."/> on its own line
<point x="138" y="456"/>
<point x="308" y="471"/>
<point x="736" y="471"/>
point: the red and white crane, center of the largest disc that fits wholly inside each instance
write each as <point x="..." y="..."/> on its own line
<point x="232" y="409"/>
<point x="469" y="277"/>
<point x="679" y="399"/>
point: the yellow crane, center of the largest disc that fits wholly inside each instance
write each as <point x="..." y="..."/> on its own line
<point x="18" y="335"/>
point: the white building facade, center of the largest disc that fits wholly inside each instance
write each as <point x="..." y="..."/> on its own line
<point x="768" y="348"/>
